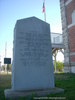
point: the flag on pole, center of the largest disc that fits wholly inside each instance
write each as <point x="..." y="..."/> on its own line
<point x="43" y="9"/>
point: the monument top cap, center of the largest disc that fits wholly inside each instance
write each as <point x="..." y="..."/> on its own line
<point x="31" y="18"/>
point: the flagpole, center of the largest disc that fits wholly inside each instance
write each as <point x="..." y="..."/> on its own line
<point x="44" y="12"/>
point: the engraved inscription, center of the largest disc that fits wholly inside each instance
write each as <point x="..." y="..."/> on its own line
<point x="33" y="48"/>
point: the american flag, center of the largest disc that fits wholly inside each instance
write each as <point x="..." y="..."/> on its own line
<point x="43" y="9"/>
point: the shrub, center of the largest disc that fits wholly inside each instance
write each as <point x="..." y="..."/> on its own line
<point x="59" y="66"/>
<point x="9" y="67"/>
<point x="3" y="67"/>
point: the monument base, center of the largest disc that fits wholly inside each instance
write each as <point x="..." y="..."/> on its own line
<point x="9" y="93"/>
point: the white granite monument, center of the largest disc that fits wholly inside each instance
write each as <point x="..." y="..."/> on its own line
<point x="32" y="68"/>
<point x="32" y="55"/>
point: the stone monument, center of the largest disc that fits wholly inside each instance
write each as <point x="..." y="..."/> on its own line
<point x="32" y="55"/>
<point x="32" y="68"/>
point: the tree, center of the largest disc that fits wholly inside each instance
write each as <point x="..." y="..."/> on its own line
<point x="59" y="66"/>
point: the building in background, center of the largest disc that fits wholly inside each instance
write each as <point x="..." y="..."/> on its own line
<point x="56" y="38"/>
<point x="68" y="27"/>
<point x="57" y="48"/>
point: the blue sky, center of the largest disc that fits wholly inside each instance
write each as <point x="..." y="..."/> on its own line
<point x="12" y="10"/>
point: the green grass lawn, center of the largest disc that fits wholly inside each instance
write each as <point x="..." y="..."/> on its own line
<point x="5" y="82"/>
<point x="65" y="81"/>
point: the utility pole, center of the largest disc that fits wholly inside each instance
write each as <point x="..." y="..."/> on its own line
<point x="0" y="63"/>
<point x="5" y="55"/>
<point x="5" y="49"/>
